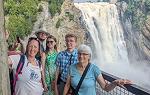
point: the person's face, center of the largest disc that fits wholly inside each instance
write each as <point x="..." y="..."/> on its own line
<point x="50" y="43"/>
<point x="70" y="42"/>
<point x="83" y="57"/>
<point x="42" y="36"/>
<point x="33" y="48"/>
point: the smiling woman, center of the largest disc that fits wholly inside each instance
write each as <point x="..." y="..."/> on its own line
<point x="31" y="75"/>
<point x="91" y="73"/>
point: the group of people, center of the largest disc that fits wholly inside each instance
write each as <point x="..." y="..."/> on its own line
<point x="45" y="71"/>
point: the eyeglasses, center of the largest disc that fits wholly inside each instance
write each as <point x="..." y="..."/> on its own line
<point x="67" y="41"/>
<point x="50" y="42"/>
<point x="84" y="54"/>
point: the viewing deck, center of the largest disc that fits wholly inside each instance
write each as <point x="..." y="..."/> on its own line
<point x="126" y="90"/>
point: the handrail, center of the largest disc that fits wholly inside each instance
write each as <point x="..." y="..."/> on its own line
<point x="135" y="89"/>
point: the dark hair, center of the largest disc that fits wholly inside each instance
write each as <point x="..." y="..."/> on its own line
<point x="18" y="39"/>
<point x="51" y="37"/>
<point x="30" y="39"/>
<point x="71" y="35"/>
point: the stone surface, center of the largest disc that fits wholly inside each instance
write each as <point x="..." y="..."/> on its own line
<point x="138" y="42"/>
<point x="66" y="25"/>
<point x="4" y="78"/>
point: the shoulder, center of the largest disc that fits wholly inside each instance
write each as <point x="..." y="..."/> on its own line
<point x="73" y="66"/>
<point x="15" y="60"/>
<point x="14" y="57"/>
<point x="94" y="67"/>
<point x="75" y="51"/>
<point x="62" y="53"/>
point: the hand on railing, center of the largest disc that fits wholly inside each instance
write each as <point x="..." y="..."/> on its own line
<point x="121" y="82"/>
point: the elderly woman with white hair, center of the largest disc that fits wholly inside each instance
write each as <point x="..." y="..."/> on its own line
<point x="93" y="75"/>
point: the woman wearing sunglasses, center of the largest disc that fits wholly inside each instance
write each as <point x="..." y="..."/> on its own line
<point x="48" y="62"/>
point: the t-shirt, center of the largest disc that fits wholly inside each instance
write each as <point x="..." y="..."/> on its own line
<point x="88" y="86"/>
<point x="29" y="81"/>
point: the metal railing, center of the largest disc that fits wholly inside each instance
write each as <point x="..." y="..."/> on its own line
<point x="126" y="90"/>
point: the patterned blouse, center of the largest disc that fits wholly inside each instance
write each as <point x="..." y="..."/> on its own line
<point x="50" y="68"/>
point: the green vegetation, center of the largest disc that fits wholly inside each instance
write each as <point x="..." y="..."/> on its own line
<point x="58" y="23"/>
<point x="137" y="11"/>
<point x="55" y="6"/>
<point x="71" y="16"/>
<point x="21" y="15"/>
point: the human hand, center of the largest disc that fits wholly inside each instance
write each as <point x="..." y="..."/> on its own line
<point x="121" y="82"/>
<point x="6" y="35"/>
<point x="45" y="87"/>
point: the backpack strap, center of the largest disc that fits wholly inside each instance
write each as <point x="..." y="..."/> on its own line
<point x="19" y="69"/>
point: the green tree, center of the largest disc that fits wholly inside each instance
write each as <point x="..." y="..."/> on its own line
<point x="22" y="15"/>
<point x="55" y="6"/>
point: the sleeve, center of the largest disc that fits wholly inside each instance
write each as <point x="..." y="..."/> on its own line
<point x="15" y="60"/>
<point x="97" y="71"/>
<point x="58" y="58"/>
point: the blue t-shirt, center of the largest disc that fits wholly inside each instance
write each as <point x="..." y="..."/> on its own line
<point x="88" y="86"/>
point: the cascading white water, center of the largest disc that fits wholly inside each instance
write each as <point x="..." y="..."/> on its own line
<point x="102" y="21"/>
<point x="103" y="24"/>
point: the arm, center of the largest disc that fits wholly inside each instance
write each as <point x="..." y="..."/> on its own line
<point x="56" y="78"/>
<point x="57" y="62"/>
<point x="43" y="58"/>
<point x="9" y="63"/>
<point x="110" y="86"/>
<point x="13" y="53"/>
<point x="67" y="85"/>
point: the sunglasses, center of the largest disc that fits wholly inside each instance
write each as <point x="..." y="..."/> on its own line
<point x="33" y="38"/>
<point x="50" y="42"/>
<point x="84" y="54"/>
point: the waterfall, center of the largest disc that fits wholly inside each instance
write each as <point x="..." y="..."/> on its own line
<point x="102" y="22"/>
<point x="110" y="52"/>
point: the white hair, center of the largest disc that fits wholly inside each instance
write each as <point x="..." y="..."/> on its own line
<point x="85" y="48"/>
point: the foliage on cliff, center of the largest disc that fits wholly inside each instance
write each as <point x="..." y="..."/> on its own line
<point x="21" y="15"/>
<point x="137" y="11"/>
<point x="55" y="6"/>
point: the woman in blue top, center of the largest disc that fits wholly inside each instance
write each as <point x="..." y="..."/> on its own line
<point x="88" y="86"/>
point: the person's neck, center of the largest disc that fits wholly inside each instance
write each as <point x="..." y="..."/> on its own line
<point x="50" y="50"/>
<point x="31" y="58"/>
<point x="82" y="65"/>
<point x="70" y="50"/>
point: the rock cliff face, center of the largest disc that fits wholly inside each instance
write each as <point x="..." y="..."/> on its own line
<point x="138" y="41"/>
<point x="4" y="71"/>
<point x="145" y="44"/>
<point x="68" y="21"/>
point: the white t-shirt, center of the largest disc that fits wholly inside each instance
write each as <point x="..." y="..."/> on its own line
<point x="29" y="81"/>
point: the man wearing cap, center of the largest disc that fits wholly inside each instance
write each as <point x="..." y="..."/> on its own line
<point x="42" y="35"/>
